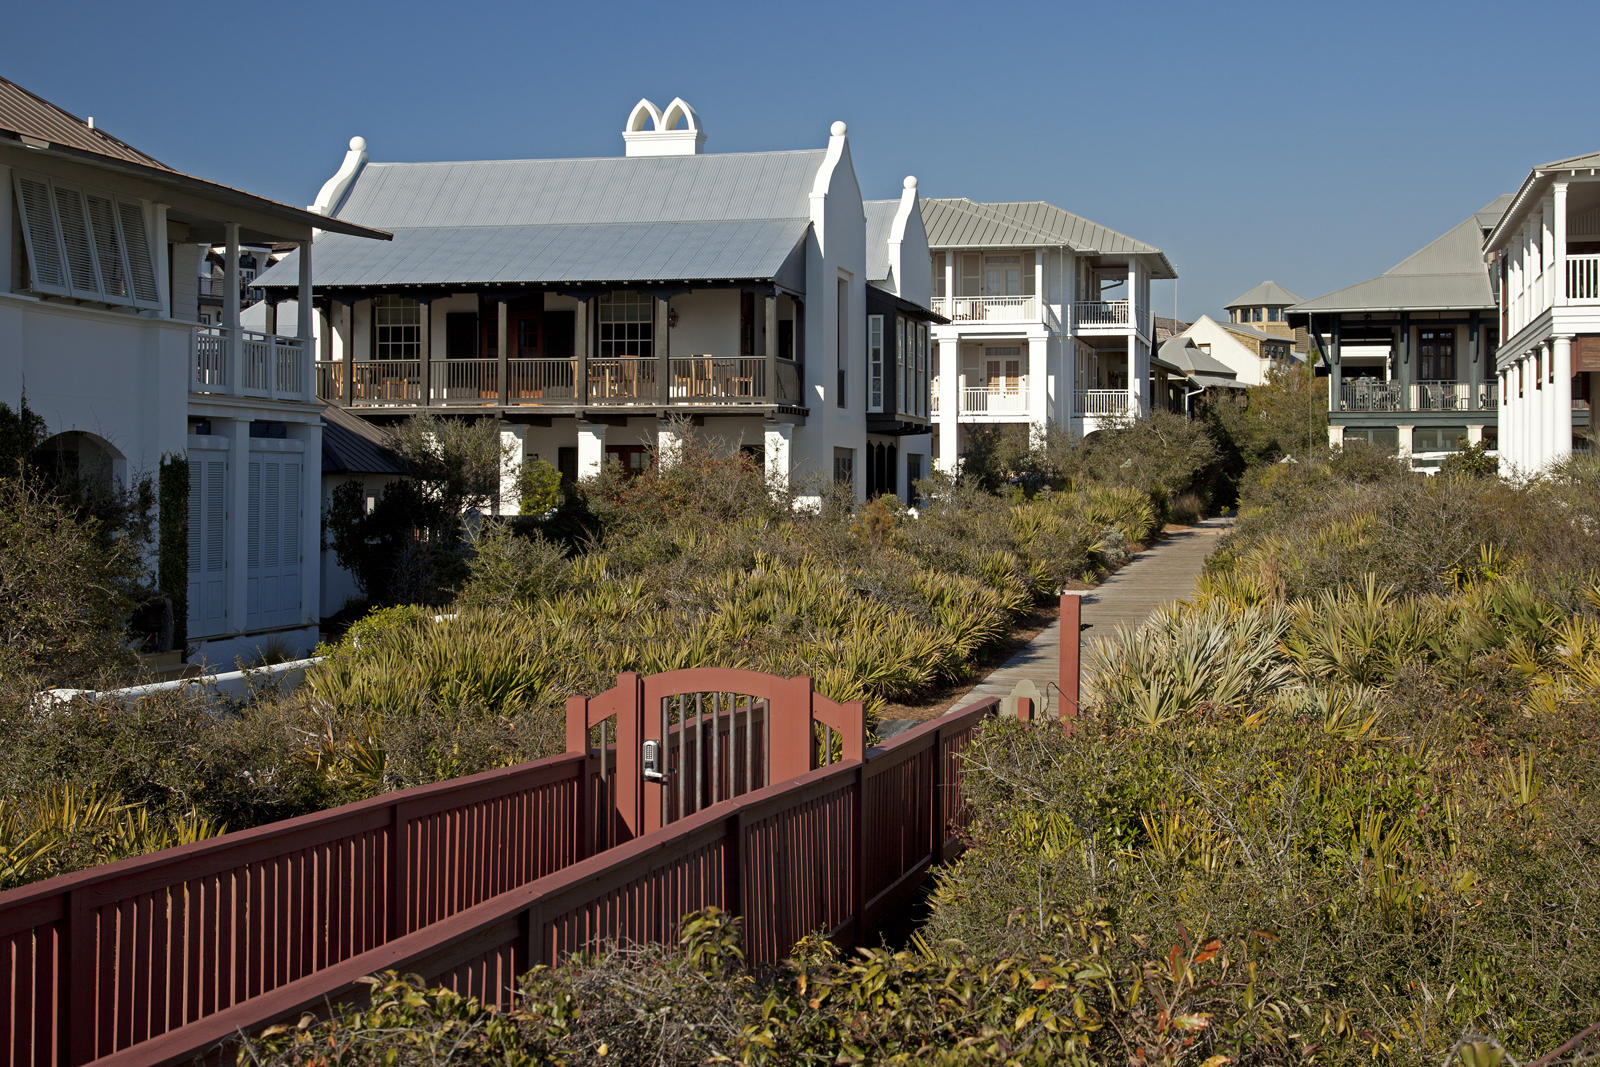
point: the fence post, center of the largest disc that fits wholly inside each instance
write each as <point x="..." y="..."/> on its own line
<point x="78" y="1023"/>
<point x="1070" y="663"/>
<point x="860" y="885"/>
<point x="399" y="875"/>
<point x="639" y="809"/>
<point x="733" y="871"/>
<point x="790" y="745"/>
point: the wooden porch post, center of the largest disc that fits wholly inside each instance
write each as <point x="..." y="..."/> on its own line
<point x="426" y="316"/>
<point x="769" y="327"/>
<point x="1070" y="661"/>
<point x="503" y="349"/>
<point x="347" y="353"/>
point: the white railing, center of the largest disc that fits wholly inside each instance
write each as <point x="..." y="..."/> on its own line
<point x="1583" y="278"/>
<point x="1103" y="402"/>
<point x="1100" y="315"/>
<point x="210" y="364"/>
<point x="988" y="308"/>
<point x="983" y="400"/>
<point x="269" y="365"/>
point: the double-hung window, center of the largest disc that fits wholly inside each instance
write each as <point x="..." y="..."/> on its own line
<point x="396" y="328"/>
<point x="900" y="363"/>
<point x="627" y="325"/>
<point x="1436" y="355"/>
<point x="86" y="244"/>
<point x="874" y="362"/>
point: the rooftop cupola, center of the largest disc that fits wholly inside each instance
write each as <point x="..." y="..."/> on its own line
<point x="673" y="132"/>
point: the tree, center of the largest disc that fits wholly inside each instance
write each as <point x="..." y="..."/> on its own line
<point x="1286" y="417"/>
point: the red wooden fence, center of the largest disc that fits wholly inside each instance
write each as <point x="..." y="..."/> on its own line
<point x="471" y="881"/>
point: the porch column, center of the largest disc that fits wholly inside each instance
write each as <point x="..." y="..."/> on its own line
<point x="669" y="442"/>
<point x="1133" y="303"/>
<point x="1335" y="435"/>
<point x="1038" y="383"/>
<point x="949" y="421"/>
<point x="1403" y="362"/>
<point x="950" y="283"/>
<point x="769" y="348"/>
<point x="303" y="330"/>
<point x="1038" y="280"/>
<point x="1546" y="294"/>
<point x="1335" y="368"/>
<point x="1474" y="433"/>
<point x="514" y="439"/>
<point x="1544" y="416"/>
<point x="347" y="352"/>
<point x="1134" y="385"/>
<point x="164" y="272"/>
<point x="1474" y="362"/>
<point x="230" y="309"/>
<point x="1559" y="194"/>
<point x="310" y="435"/>
<point x="777" y="442"/>
<point x="1561" y="397"/>
<point x="591" y="449"/>
<point x="663" y="313"/>
<point x="426" y="315"/>
<point x="1403" y="439"/>
<point x="502" y="351"/>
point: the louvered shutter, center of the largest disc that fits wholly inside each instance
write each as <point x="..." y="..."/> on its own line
<point x="252" y="578"/>
<point x="141" y="265"/>
<point x="273" y="574"/>
<point x="289" y="561"/>
<point x="208" y="561"/>
<point x="82" y="275"/>
<point x="46" y="263"/>
<point x="108" y="249"/>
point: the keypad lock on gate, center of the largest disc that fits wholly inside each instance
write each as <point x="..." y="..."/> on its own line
<point x="650" y="759"/>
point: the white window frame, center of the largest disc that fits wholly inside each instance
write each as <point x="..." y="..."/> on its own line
<point x="874" y="363"/>
<point x="923" y="362"/>
<point x="88" y="244"/>
<point x="396" y="328"/>
<point x="900" y="363"/>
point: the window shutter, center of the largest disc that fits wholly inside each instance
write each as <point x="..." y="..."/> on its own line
<point x="271" y="503"/>
<point x="108" y="246"/>
<point x="253" y="517"/>
<point x="216" y="515"/>
<point x="46" y="262"/>
<point x="141" y="264"/>
<point x="84" y="279"/>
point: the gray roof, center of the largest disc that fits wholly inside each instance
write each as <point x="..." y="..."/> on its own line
<point x="1251" y="331"/>
<point x="963" y="223"/>
<point x="1267" y="294"/>
<point x="880" y="220"/>
<point x="1448" y="273"/>
<point x="571" y="254"/>
<point x="352" y="445"/>
<point x="727" y="216"/>
<point x="1182" y="353"/>
<point x="1531" y="188"/>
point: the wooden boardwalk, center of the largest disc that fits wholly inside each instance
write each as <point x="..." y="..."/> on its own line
<point x="1166" y="571"/>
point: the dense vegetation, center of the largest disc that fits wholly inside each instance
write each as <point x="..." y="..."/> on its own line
<point x="698" y="562"/>
<point x="1341" y="807"/>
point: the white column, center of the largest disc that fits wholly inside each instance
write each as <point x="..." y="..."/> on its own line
<point x="1546" y="259"/>
<point x="1038" y="280"/>
<point x="669" y="442"/>
<point x="591" y="449"/>
<point x="1546" y="418"/>
<point x="514" y="441"/>
<point x="1038" y="382"/>
<point x="777" y="444"/>
<point x="310" y="520"/>
<point x="1133" y="299"/>
<point x="1560" y="242"/>
<point x="1474" y="433"/>
<point x="950" y="282"/>
<point x="304" y="322"/>
<point x="230" y="308"/>
<point x="163" y="252"/>
<point x="949" y="423"/>
<point x="1335" y="435"/>
<point x="1561" y="397"/>
<point x="238" y="512"/>
<point x="1135" y="389"/>
<point x="1403" y="439"/>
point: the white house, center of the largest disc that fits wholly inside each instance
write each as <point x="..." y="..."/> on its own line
<point x="1050" y="319"/>
<point x="100" y="247"/>
<point x="588" y="303"/>
<point x="1248" y="352"/>
<point x="1544" y="254"/>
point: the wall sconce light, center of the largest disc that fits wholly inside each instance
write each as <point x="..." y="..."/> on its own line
<point x="672" y="317"/>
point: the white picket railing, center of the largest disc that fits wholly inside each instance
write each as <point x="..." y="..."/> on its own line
<point x="1100" y="314"/>
<point x="1583" y="278"/>
<point x="982" y="400"/>
<point x="988" y="308"/>
<point x="269" y="365"/>
<point x="1103" y="402"/>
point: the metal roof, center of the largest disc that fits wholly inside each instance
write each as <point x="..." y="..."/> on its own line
<point x="880" y="220"/>
<point x="352" y="445"/>
<point x="1253" y="333"/>
<point x="1267" y="294"/>
<point x="1446" y="274"/>
<point x="732" y="216"/>
<point x="27" y="115"/>
<point x="534" y="192"/>
<point x="551" y="254"/>
<point x="962" y="223"/>
<point x="1182" y="353"/>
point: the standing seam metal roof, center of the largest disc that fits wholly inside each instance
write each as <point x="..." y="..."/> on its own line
<point x="962" y="223"/>
<point x="880" y="220"/>
<point x="1267" y="294"/>
<point x="24" y="113"/>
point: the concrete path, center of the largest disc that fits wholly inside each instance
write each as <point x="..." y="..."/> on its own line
<point x="1167" y="571"/>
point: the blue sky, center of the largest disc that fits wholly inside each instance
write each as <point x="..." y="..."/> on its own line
<point x="1315" y="144"/>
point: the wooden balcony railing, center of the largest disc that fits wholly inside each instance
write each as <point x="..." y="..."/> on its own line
<point x="610" y="381"/>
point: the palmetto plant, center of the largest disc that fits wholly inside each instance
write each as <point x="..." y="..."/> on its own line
<point x="1183" y="658"/>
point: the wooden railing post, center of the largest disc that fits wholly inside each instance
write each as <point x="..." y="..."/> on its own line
<point x="395" y="924"/>
<point x="789" y="738"/>
<point x="1070" y="665"/>
<point x="638" y="807"/>
<point x="77" y="1021"/>
<point x="859" y="880"/>
<point x="733" y="872"/>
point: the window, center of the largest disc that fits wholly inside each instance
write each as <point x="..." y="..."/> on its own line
<point x="1274" y="314"/>
<point x="874" y="362"/>
<point x="86" y="244"/>
<point x="844" y="467"/>
<point x="461" y="335"/>
<point x="920" y="405"/>
<point x="1003" y="369"/>
<point x="396" y="328"/>
<point x="627" y="325"/>
<point x="1436" y="355"/>
<point x="1255" y="314"/>
<point x="842" y="341"/>
<point x="900" y="362"/>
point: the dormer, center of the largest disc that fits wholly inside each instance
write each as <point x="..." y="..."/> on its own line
<point x="673" y="132"/>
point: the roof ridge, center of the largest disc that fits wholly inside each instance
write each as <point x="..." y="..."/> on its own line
<point x="588" y="159"/>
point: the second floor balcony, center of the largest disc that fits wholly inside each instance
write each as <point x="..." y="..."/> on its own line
<point x="615" y="381"/>
<point x="227" y="362"/>
<point x="1368" y="394"/>
<point x="989" y="308"/>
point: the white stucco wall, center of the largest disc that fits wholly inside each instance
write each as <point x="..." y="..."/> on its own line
<point x="708" y="323"/>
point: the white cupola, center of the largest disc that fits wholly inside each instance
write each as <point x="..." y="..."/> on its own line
<point x="673" y="132"/>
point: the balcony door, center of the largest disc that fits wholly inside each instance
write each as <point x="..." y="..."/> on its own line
<point x="1002" y="275"/>
<point x="1003" y="370"/>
